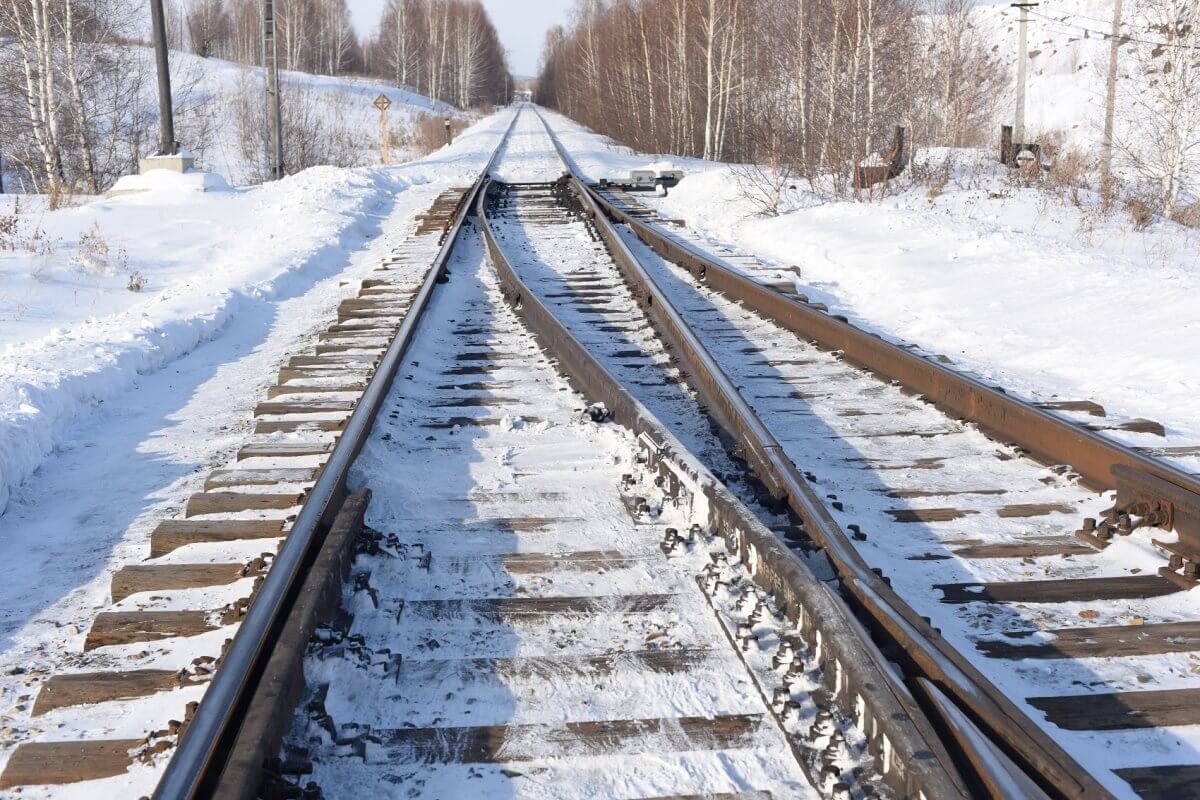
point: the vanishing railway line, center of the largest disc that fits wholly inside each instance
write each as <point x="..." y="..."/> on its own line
<point x="511" y="566"/>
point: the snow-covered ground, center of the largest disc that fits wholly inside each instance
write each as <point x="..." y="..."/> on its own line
<point x="219" y="117"/>
<point x="454" y="494"/>
<point x="113" y="403"/>
<point x="343" y="106"/>
<point x="1068" y="62"/>
<point x="1025" y="287"/>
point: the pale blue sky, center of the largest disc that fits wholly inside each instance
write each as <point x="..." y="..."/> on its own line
<point x="522" y="25"/>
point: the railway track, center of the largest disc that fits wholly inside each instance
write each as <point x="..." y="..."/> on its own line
<point x="574" y="520"/>
<point x="988" y="534"/>
<point x="519" y="631"/>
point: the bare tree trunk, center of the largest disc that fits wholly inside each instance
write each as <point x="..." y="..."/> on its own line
<point x="831" y="92"/>
<point x="81" y="117"/>
<point x="649" y="72"/>
<point x="29" y="43"/>
<point x="710" y="45"/>
<point x="46" y="90"/>
<point x="870" y="35"/>
<point x="802" y="78"/>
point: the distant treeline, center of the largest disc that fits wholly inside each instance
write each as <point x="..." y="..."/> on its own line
<point x="77" y="100"/>
<point x="445" y="49"/>
<point x="817" y="84"/>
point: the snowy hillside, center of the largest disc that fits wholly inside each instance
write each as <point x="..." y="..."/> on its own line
<point x="1068" y="64"/>
<point x="222" y="106"/>
<point x="73" y="334"/>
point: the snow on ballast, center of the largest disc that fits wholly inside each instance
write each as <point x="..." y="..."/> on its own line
<point x="529" y="228"/>
<point x="886" y="464"/>
<point x="152" y="654"/>
<point x="517" y="629"/>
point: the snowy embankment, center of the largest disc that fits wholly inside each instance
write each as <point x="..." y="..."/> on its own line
<point x="225" y="92"/>
<point x="73" y="335"/>
<point x="1025" y="286"/>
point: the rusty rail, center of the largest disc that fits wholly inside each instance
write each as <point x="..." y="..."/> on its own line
<point x="927" y="653"/>
<point x="1103" y="463"/>
<point x="906" y="747"/>
<point x="204" y="751"/>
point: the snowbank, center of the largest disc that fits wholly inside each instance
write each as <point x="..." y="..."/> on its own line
<point x="1035" y="290"/>
<point x="72" y="332"/>
<point x="1043" y="296"/>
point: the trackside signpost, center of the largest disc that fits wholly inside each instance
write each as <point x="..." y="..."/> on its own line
<point x="383" y="104"/>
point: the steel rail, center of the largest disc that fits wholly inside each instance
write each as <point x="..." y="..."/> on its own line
<point x="912" y="756"/>
<point x="1102" y="462"/>
<point x="195" y="766"/>
<point x="933" y="657"/>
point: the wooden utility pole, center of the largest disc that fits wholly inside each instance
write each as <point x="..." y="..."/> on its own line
<point x="383" y="104"/>
<point x="1022" y="57"/>
<point x="271" y="67"/>
<point x="1110" y="109"/>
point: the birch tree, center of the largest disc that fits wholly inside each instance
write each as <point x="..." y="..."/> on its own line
<point x="1160" y="142"/>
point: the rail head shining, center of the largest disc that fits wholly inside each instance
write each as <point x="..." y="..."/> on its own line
<point x="928" y="769"/>
<point x="929" y="652"/>
<point x="198" y="759"/>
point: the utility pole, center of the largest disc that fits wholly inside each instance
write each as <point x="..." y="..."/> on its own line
<point x="1022" y="57"/>
<point x="271" y="66"/>
<point x="1110" y="108"/>
<point x="167" y="145"/>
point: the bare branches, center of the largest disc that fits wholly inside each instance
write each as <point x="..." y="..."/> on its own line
<point x="1160" y="142"/>
<point x="816" y="83"/>
<point x="66" y="89"/>
<point x="445" y="49"/>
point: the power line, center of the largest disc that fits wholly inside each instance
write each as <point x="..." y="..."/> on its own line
<point x="1095" y="19"/>
<point x="1102" y="34"/>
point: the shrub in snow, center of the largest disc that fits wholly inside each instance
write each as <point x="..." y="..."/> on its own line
<point x="93" y="253"/>
<point x="1140" y="212"/>
<point x="15" y="234"/>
